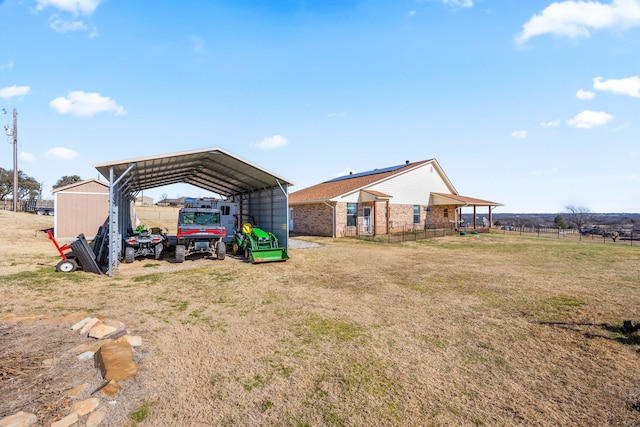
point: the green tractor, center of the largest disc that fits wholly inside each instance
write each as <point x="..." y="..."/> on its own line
<point x="258" y="245"/>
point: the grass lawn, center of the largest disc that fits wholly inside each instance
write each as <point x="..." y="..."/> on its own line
<point x="487" y="329"/>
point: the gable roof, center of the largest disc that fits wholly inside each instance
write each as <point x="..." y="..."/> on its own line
<point x="78" y="184"/>
<point x="212" y="169"/>
<point x="345" y="184"/>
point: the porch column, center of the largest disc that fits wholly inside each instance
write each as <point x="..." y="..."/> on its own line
<point x="388" y="216"/>
<point x="490" y="220"/>
<point x="474" y="217"/>
<point x="375" y="223"/>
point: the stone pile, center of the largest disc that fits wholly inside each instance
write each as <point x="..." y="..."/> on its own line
<point x="111" y="348"/>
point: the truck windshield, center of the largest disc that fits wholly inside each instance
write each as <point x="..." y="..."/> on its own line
<point x="201" y="218"/>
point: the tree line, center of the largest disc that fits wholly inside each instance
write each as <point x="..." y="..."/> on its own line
<point x="28" y="187"/>
<point x="576" y="217"/>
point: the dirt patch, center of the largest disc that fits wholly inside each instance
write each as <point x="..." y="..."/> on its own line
<point x="38" y="369"/>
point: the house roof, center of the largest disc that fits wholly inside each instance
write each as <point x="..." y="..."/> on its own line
<point x="446" y="199"/>
<point x="345" y="184"/>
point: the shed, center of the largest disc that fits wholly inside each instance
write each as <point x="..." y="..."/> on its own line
<point x="81" y="207"/>
<point x="259" y="193"/>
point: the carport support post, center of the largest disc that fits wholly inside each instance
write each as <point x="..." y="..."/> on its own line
<point x="113" y="226"/>
<point x="114" y="220"/>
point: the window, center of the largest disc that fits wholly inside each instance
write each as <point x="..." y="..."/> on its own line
<point x="225" y="210"/>
<point x="446" y="213"/>
<point x="352" y="213"/>
<point x="416" y="214"/>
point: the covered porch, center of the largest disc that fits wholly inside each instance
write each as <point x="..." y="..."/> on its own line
<point x="375" y="218"/>
<point x="460" y="202"/>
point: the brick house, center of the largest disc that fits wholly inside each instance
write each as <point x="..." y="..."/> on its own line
<point x="381" y="201"/>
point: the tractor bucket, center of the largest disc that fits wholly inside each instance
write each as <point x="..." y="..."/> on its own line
<point x="268" y="255"/>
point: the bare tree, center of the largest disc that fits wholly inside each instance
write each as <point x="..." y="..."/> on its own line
<point x="578" y="215"/>
<point x="163" y="196"/>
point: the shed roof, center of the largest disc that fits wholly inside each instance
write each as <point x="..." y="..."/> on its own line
<point x="212" y="169"/>
<point x="80" y="184"/>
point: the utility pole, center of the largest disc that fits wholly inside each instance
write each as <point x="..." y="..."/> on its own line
<point x="15" y="160"/>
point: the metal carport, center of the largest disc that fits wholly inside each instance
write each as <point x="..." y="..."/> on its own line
<point x="259" y="193"/>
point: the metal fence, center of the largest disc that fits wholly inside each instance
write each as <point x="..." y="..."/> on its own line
<point x="25" y="205"/>
<point x="629" y="237"/>
<point x="413" y="232"/>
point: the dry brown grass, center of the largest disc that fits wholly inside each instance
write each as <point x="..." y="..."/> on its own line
<point x="464" y="330"/>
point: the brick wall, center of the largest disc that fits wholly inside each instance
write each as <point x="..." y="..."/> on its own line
<point x="436" y="214"/>
<point x="316" y="219"/>
<point x="313" y="219"/>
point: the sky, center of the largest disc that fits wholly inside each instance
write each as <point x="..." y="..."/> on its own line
<point x="533" y="104"/>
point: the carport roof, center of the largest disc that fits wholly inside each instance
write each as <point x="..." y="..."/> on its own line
<point x="212" y="169"/>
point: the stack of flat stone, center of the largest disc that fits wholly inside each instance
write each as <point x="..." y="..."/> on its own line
<point x="112" y="350"/>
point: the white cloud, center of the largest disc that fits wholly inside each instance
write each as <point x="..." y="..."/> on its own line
<point x="26" y="157"/>
<point x="63" y="26"/>
<point x="629" y="86"/>
<point x="77" y="7"/>
<point x="85" y="104"/>
<point x="588" y="119"/>
<point x="411" y="13"/>
<point x="61" y="153"/>
<point x="8" y="66"/>
<point x="11" y="91"/>
<point x="576" y="18"/>
<point x="336" y="115"/>
<point x="458" y="3"/>
<point x="585" y="94"/>
<point x="622" y="127"/>
<point x="272" y="142"/>
<point x="550" y="124"/>
<point x="519" y="134"/>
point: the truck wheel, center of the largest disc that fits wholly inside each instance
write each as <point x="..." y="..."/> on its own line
<point x="158" y="251"/>
<point x="221" y="251"/>
<point x="179" y="253"/>
<point x="67" y="266"/>
<point x="129" y="254"/>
